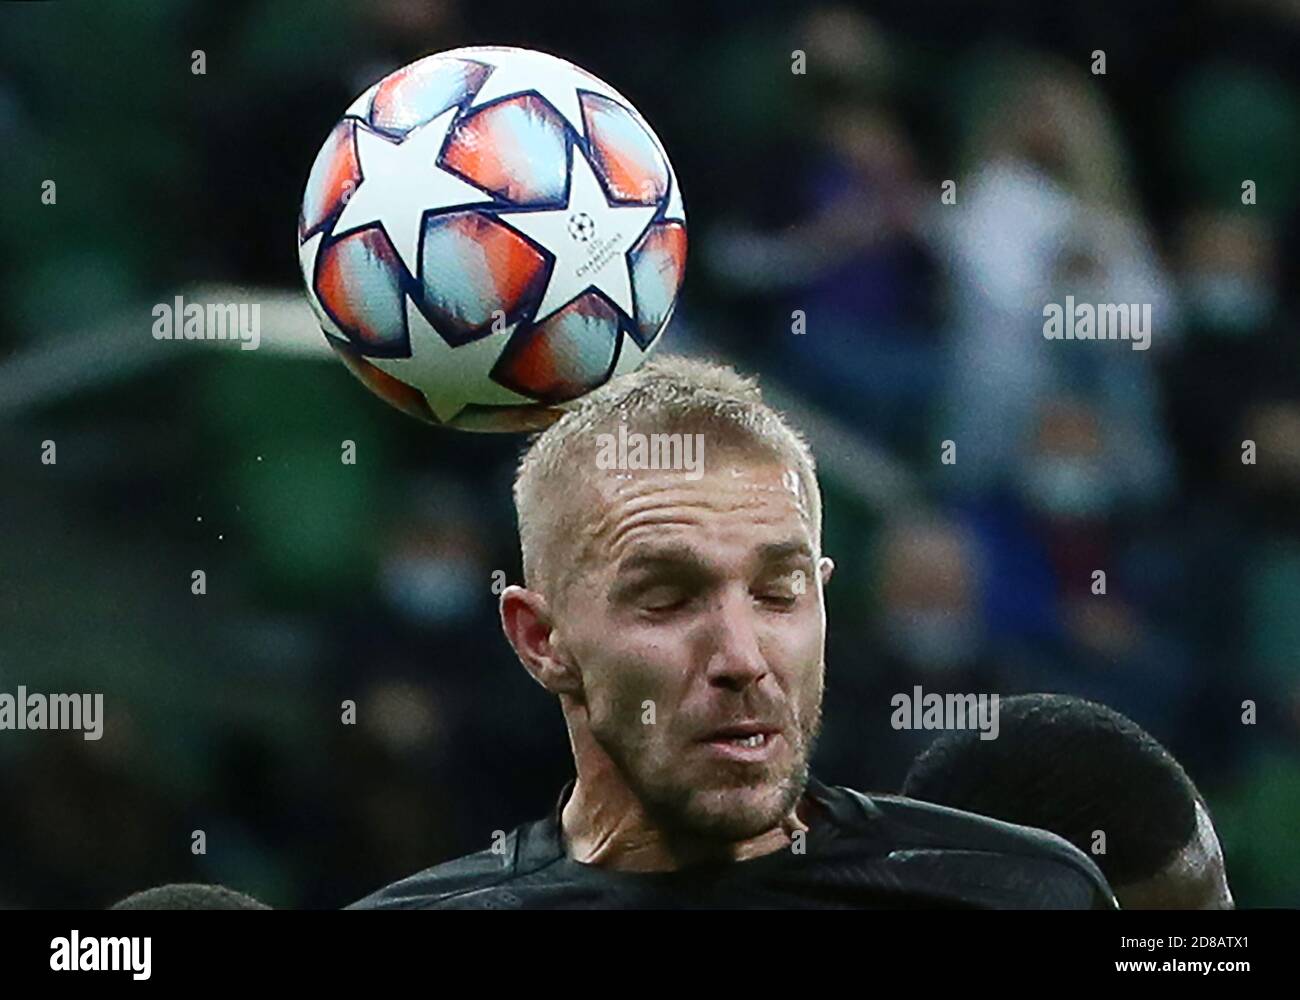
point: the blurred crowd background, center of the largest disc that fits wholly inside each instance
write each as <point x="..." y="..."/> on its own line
<point x="816" y="192"/>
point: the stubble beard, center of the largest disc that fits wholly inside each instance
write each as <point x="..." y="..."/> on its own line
<point x="737" y="803"/>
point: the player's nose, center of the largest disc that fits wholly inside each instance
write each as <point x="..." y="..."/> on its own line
<point x="735" y="654"/>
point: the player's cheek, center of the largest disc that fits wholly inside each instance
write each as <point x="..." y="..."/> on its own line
<point x="641" y="685"/>
<point x="812" y="631"/>
<point x="795" y="646"/>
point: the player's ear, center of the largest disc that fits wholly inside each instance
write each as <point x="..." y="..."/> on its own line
<point x="826" y="566"/>
<point x="526" y="621"/>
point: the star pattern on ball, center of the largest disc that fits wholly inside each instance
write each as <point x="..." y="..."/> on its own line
<point x="630" y="357"/>
<point x="391" y="171"/>
<point x="676" y="211"/>
<point x="445" y="374"/>
<point x="517" y="71"/>
<point x="361" y="106"/>
<point x="588" y="239"/>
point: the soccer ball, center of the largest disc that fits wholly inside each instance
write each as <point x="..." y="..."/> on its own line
<point x="488" y="234"/>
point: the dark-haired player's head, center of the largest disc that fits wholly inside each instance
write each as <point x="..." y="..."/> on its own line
<point x="189" y="896"/>
<point x="1095" y="777"/>
<point x="676" y="612"/>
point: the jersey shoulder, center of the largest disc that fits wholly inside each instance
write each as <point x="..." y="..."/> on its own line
<point x="980" y="856"/>
<point x="486" y="873"/>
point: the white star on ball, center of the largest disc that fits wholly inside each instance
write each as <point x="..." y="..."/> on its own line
<point x="597" y="261"/>
<point x="401" y="182"/>
<point x="445" y="375"/>
<point x="675" y="211"/>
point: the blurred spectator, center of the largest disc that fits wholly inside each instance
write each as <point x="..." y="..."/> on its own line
<point x="1046" y="211"/>
<point x="922" y="627"/>
<point x="853" y="265"/>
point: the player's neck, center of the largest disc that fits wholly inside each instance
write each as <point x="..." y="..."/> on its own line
<point x="603" y="824"/>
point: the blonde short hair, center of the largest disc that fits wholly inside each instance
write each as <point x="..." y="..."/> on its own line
<point x="667" y="394"/>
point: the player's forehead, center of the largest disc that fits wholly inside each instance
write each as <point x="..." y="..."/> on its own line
<point x="1203" y="865"/>
<point x="1202" y="853"/>
<point x="741" y="509"/>
<point x="1193" y="879"/>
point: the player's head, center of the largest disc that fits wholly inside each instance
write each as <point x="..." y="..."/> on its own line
<point x="668" y="606"/>
<point x="1084" y="771"/>
<point x="189" y="896"/>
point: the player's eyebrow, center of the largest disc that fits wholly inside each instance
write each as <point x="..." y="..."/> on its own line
<point x="778" y="552"/>
<point x="644" y="558"/>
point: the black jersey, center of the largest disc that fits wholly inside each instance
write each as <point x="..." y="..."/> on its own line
<point x="878" y="851"/>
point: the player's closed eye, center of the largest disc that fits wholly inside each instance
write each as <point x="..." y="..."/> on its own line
<point x="780" y="592"/>
<point x="663" y="600"/>
<point x="779" y="599"/>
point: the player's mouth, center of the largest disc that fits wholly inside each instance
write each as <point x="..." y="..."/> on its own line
<point x="748" y="742"/>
